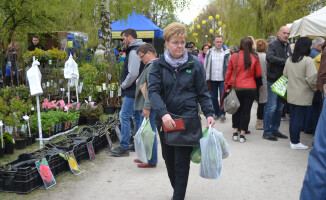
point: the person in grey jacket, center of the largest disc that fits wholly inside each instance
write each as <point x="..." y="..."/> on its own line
<point x="216" y="63"/>
<point x="277" y="53"/>
<point x="131" y="69"/>
<point x="143" y="107"/>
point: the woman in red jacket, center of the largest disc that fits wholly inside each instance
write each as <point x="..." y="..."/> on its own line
<point x="248" y="77"/>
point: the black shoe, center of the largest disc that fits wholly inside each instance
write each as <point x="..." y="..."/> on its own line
<point x="132" y="148"/>
<point x="270" y="137"/>
<point x="310" y="133"/>
<point x="280" y="135"/>
<point x="248" y="132"/>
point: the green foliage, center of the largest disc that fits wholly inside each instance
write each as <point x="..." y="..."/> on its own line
<point x="8" y="139"/>
<point x="51" y="118"/>
<point x="90" y="112"/>
<point x="88" y="75"/>
<point x="259" y="18"/>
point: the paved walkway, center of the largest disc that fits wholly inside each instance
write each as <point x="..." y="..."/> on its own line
<point x="257" y="169"/>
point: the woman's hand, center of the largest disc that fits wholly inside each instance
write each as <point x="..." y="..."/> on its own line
<point x="210" y="121"/>
<point x="146" y="112"/>
<point x="168" y="121"/>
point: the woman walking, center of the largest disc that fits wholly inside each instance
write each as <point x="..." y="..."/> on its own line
<point x="261" y="49"/>
<point x="143" y="108"/>
<point x="176" y="85"/>
<point x="246" y="66"/>
<point x="201" y="56"/>
<point x="301" y="72"/>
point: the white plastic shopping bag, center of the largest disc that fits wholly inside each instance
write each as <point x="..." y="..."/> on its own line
<point x="139" y="144"/>
<point x="34" y="77"/>
<point x="211" y="155"/>
<point x="226" y="151"/>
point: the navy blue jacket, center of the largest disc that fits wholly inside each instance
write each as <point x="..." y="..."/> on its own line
<point x="185" y="88"/>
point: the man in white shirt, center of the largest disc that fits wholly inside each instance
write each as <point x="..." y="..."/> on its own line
<point x="216" y="64"/>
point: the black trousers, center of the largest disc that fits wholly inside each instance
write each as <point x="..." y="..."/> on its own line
<point x="260" y="111"/>
<point x="177" y="161"/>
<point x="241" y="118"/>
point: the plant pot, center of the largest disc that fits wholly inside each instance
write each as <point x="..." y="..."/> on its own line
<point x="29" y="141"/>
<point x="9" y="149"/>
<point x="33" y="139"/>
<point x="82" y="121"/>
<point x="20" y="144"/>
<point x="2" y="152"/>
<point x="108" y="109"/>
<point x="92" y="121"/>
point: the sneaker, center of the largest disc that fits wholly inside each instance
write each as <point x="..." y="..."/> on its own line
<point x="280" y="135"/>
<point x="132" y="148"/>
<point x="223" y="118"/>
<point x="146" y="165"/>
<point x="270" y="137"/>
<point x="242" y="139"/>
<point x="119" y="152"/>
<point x="137" y="161"/>
<point x="235" y="136"/>
<point x="298" y="146"/>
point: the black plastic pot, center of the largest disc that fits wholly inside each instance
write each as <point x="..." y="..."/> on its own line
<point x="2" y="152"/>
<point x="20" y="144"/>
<point x="33" y="139"/>
<point x="82" y="121"/>
<point x="108" y="109"/>
<point x="29" y="141"/>
<point x="9" y="149"/>
<point x="91" y="121"/>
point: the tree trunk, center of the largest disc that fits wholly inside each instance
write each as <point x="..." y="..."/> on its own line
<point x="107" y="32"/>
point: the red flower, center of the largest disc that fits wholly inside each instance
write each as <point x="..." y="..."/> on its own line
<point x="45" y="173"/>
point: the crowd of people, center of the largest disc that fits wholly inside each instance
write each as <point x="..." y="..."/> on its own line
<point x="181" y="84"/>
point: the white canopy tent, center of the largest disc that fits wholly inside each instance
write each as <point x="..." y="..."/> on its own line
<point x="313" y="25"/>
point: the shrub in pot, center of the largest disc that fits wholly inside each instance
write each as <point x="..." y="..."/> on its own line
<point x="9" y="143"/>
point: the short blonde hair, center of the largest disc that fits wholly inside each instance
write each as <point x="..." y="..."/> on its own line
<point x="174" y="29"/>
<point x="254" y="46"/>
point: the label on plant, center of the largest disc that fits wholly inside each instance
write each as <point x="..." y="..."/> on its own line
<point x="47" y="84"/>
<point x="74" y="167"/>
<point x="32" y="108"/>
<point x="90" y="98"/>
<point x="119" y="91"/>
<point x="107" y="134"/>
<point x="62" y="89"/>
<point x="43" y="85"/>
<point x="90" y="150"/>
<point x="98" y="88"/>
<point x="104" y="86"/>
<point x="111" y="93"/>
<point x="45" y="173"/>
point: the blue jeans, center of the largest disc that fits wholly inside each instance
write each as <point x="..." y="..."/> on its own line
<point x="138" y="120"/>
<point x="314" y="183"/>
<point x="215" y="87"/>
<point x="272" y="112"/>
<point x="127" y="111"/>
<point x="297" y="117"/>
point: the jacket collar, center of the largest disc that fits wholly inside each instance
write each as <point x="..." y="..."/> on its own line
<point x="188" y="64"/>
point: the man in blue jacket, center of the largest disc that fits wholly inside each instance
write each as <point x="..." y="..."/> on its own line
<point x="131" y="69"/>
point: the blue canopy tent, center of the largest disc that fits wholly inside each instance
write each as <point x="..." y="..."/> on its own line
<point x="145" y="28"/>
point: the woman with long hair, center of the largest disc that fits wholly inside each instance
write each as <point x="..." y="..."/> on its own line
<point x="248" y="72"/>
<point x="204" y="49"/>
<point x="301" y="72"/>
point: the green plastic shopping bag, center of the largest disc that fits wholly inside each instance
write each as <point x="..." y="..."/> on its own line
<point x="195" y="155"/>
<point x="280" y="87"/>
<point x="148" y="136"/>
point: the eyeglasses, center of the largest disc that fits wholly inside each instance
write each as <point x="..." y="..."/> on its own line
<point x="178" y="43"/>
<point x="141" y="57"/>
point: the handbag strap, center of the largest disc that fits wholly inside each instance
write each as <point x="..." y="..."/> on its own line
<point x="235" y="71"/>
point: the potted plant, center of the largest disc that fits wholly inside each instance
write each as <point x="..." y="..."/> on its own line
<point x="9" y="143"/>
<point x="91" y="113"/>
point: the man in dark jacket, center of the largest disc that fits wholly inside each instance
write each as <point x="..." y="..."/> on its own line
<point x="35" y="44"/>
<point x="277" y="53"/>
<point x="131" y="69"/>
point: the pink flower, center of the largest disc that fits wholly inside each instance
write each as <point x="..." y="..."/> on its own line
<point x="44" y="104"/>
<point x="91" y="104"/>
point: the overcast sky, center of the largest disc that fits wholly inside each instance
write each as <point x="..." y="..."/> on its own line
<point x="187" y="15"/>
